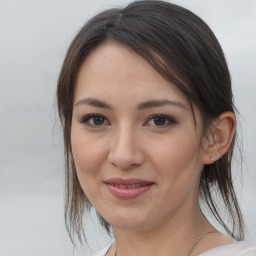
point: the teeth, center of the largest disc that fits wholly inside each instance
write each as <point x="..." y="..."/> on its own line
<point x="127" y="186"/>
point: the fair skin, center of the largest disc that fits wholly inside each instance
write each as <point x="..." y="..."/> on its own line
<point x="132" y="127"/>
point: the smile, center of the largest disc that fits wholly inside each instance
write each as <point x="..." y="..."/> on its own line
<point x="128" y="189"/>
<point x="127" y="186"/>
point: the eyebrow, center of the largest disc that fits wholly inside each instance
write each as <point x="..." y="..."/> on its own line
<point x="93" y="102"/>
<point x="159" y="103"/>
<point x="141" y="106"/>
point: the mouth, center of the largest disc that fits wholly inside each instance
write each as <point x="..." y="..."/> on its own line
<point x="129" y="188"/>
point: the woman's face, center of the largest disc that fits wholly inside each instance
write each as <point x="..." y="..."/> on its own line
<point x="137" y="150"/>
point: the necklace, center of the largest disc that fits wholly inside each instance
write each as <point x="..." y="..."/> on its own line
<point x="196" y="242"/>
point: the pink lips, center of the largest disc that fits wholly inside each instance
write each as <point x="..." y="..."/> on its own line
<point x="129" y="188"/>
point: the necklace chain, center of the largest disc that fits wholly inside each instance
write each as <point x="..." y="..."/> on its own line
<point x="196" y="242"/>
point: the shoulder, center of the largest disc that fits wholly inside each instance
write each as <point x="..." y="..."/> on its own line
<point x="241" y="248"/>
<point x="102" y="252"/>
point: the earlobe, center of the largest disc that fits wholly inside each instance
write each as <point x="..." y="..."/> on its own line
<point x="221" y="136"/>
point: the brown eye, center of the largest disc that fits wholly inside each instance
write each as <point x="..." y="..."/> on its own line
<point x="98" y="120"/>
<point x="94" y="120"/>
<point x="160" y="121"/>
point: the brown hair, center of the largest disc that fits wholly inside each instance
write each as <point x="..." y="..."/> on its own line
<point x="183" y="49"/>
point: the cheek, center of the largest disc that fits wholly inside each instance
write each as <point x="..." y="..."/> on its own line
<point x="86" y="152"/>
<point x="88" y="157"/>
<point x="177" y="159"/>
<point x="174" y="153"/>
<point x="179" y="169"/>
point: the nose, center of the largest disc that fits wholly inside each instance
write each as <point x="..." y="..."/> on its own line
<point x="125" y="151"/>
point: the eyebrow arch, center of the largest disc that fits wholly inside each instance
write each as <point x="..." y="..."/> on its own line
<point x="159" y="103"/>
<point x="93" y="102"/>
<point x="141" y="106"/>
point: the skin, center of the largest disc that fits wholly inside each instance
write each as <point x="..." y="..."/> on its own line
<point x="115" y="134"/>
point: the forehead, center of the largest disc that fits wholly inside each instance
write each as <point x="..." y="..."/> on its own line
<point x="112" y="69"/>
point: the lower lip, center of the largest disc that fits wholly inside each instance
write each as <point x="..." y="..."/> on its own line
<point x="128" y="193"/>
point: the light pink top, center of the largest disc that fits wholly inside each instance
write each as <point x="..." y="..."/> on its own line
<point x="233" y="249"/>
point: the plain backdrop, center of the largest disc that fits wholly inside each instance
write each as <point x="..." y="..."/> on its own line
<point x="34" y="36"/>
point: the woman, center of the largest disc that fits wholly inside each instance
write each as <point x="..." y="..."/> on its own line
<point x="145" y="100"/>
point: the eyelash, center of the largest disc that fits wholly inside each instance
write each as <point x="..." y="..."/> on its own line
<point x="168" y="121"/>
<point x="86" y="120"/>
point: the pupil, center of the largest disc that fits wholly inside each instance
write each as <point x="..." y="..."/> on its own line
<point x="98" y="120"/>
<point x="159" y="121"/>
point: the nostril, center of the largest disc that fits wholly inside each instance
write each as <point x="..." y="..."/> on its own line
<point x="125" y="150"/>
<point x="126" y="159"/>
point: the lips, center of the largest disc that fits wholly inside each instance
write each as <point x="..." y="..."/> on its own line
<point x="128" y="188"/>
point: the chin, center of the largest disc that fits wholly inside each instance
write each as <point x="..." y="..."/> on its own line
<point x="130" y="222"/>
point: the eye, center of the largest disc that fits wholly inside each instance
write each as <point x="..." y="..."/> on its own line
<point x="94" y="120"/>
<point x="160" y="120"/>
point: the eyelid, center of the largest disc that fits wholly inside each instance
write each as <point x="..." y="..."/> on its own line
<point x="170" y="119"/>
<point x="85" y="120"/>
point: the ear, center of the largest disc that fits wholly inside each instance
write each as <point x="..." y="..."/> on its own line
<point x="220" y="137"/>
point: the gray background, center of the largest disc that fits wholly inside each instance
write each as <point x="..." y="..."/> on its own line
<point x="34" y="38"/>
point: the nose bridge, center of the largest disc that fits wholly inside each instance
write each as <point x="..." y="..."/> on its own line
<point x="125" y="150"/>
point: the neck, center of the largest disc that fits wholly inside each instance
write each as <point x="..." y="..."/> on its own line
<point x="175" y="237"/>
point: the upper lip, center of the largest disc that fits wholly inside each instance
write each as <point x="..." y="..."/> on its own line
<point x="132" y="181"/>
